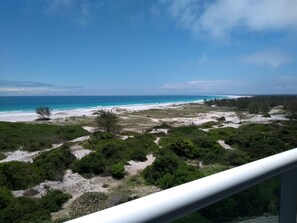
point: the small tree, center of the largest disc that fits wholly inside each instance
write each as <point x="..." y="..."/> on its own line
<point x="43" y="112"/>
<point x="108" y="121"/>
<point x="239" y="115"/>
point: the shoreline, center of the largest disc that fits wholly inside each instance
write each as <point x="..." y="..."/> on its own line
<point x="29" y="116"/>
<point x="19" y="116"/>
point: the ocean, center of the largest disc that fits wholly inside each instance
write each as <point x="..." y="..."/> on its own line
<point x="29" y="103"/>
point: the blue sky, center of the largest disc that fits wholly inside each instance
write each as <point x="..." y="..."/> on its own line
<point x="131" y="47"/>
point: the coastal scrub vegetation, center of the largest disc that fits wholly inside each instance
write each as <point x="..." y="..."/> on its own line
<point x="32" y="137"/>
<point x="55" y="162"/>
<point x="259" y="104"/>
<point x="19" y="175"/>
<point x="191" y="142"/>
<point x="25" y="209"/>
<point x="183" y="154"/>
<point x="168" y="171"/>
<point x="110" y="154"/>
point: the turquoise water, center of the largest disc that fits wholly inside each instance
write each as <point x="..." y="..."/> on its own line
<point x="29" y="103"/>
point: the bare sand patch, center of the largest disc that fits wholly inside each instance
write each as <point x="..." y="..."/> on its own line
<point x="79" y="152"/>
<point x="134" y="167"/>
<point x="74" y="184"/>
<point x="89" y="128"/>
<point x="80" y="139"/>
<point x="224" y="145"/>
<point x="25" y="156"/>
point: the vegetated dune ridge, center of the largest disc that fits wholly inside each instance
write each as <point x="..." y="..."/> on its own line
<point x="133" y="119"/>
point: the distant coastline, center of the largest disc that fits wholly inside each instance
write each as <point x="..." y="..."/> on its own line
<point x="29" y="103"/>
<point x="22" y="108"/>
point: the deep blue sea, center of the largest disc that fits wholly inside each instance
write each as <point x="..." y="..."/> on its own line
<point x="29" y="103"/>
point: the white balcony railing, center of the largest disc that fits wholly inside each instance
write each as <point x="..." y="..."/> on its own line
<point x="178" y="201"/>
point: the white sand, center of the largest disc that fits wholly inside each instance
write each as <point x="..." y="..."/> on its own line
<point x="134" y="167"/>
<point x="61" y="114"/>
<point x="157" y="140"/>
<point x="159" y="130"/>
<point x="24" y="156"/>
<point x="224" y="145"/>
<point x="79" y="152"/>
<point x="80" y="139"/>
<point x="89" y="129"/>
<point x="74" y="184"/>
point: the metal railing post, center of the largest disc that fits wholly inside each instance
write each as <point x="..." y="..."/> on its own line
<point x="288" y="197"/>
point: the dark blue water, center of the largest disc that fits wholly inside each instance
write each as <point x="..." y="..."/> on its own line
<point x="29" y="103"/>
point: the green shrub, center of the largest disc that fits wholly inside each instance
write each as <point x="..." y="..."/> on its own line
<point x="259" y="140"/>
<point x="54" y="199"/>
<point x="2" y="156"/>
<point x="113" y="151"/>
<point x="19" y="175"/>
<point x="221" y="133"/>
<point x="138" y="155"/>
<point x="92" y="163"/>
<point x="23" y="210"/>
<point x="184" y="148"/>
<point x="33" y="137"/>
<point x="169" y="170"/>
<point x="103" y="135"/>
<point x="138" y="147"/>
<point x="5" y="198"/>
<point x="117" y="171"/>
<point x="236" y="157"/>
<point x="251" y="202"/>
<point x="55" y="162"/>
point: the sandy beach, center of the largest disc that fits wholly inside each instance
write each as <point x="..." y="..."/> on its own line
<point x="62" y="114"/>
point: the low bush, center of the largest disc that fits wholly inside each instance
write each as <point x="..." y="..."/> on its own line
<point x="169" y="170"/>
<point x="33" y="137"/>
<point x="54" y="199"/>
<point x="2" y="156"/>
<point x="5" y="197"/>
<point x="259" y="140"/>
<point x="19" y="175"/>
<point x="55" y="162"/>
<point x="92" y="163"/>
<point x="251" y="202"/>
<point x="184" y="148"/>
<point x="22" y="210"/>
<point x="117" y="171"/>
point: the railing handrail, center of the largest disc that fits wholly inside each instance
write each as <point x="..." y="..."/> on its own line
<point x="178" y="201"/>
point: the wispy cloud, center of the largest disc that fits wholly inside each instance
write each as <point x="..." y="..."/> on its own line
<point x="198" y="85"/>
<point x="220" y="18"/>
<point x="277" y="85"/>
<point x="82" y="12"/>
<point x="270" y="58"/>
<point x="35" y="88"/>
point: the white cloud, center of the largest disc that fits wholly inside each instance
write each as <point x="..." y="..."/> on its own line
<point x="219" y="18"/>
<point x="270" y="58"/>
<point x="197" y="84"/>
<point x="34" y="88"/>
<point x="276" y="85"/>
